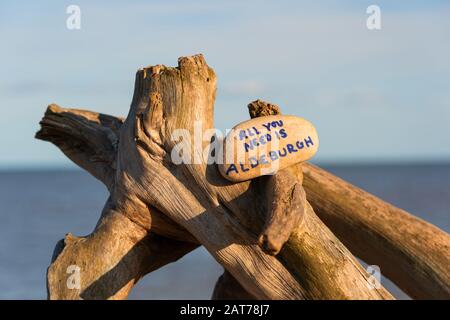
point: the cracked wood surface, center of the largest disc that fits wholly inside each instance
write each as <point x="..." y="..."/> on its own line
<point x="131" y="159"/>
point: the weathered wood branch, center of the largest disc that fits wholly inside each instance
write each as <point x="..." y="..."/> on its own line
<point x="90" y="140"/>
<point x="312" y="252"/>
<point x="108" y="263"/>
<point x="87" y="138"/>
<point x="194" y="195"/>
<point x="218" y="214"/>
<point x="286" y="207"/>
<point x="263" y="186"/>
<point x="119" y="252"/>
<point x="285" y="194"/>
<point x="234" y="206"/>
<point x="412" y="253"/>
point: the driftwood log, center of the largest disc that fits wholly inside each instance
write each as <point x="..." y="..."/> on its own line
<point x="159" y="211"/>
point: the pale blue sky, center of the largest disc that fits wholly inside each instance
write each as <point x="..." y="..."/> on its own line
<point x="373" y="95"/>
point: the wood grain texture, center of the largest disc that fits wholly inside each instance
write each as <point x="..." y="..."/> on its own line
<point x="118" y="252"/>
<point x="319" y="260"/>
<point x="193" y="195"/>
<point x="286" y="198"/>
<point x="110" y="260"/>
<point x="413" y="253"/>
<point x="192" y="203"/>
<point x="286" y="205"/>
<point x="168" y="227"/>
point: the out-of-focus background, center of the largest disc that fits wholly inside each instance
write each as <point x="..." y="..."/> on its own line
<point x="380" y="100"/>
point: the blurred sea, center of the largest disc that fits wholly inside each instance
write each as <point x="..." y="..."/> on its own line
<point x="38" y="207"/>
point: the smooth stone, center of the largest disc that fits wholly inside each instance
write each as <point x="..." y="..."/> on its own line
<point x="264" y="145"/>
